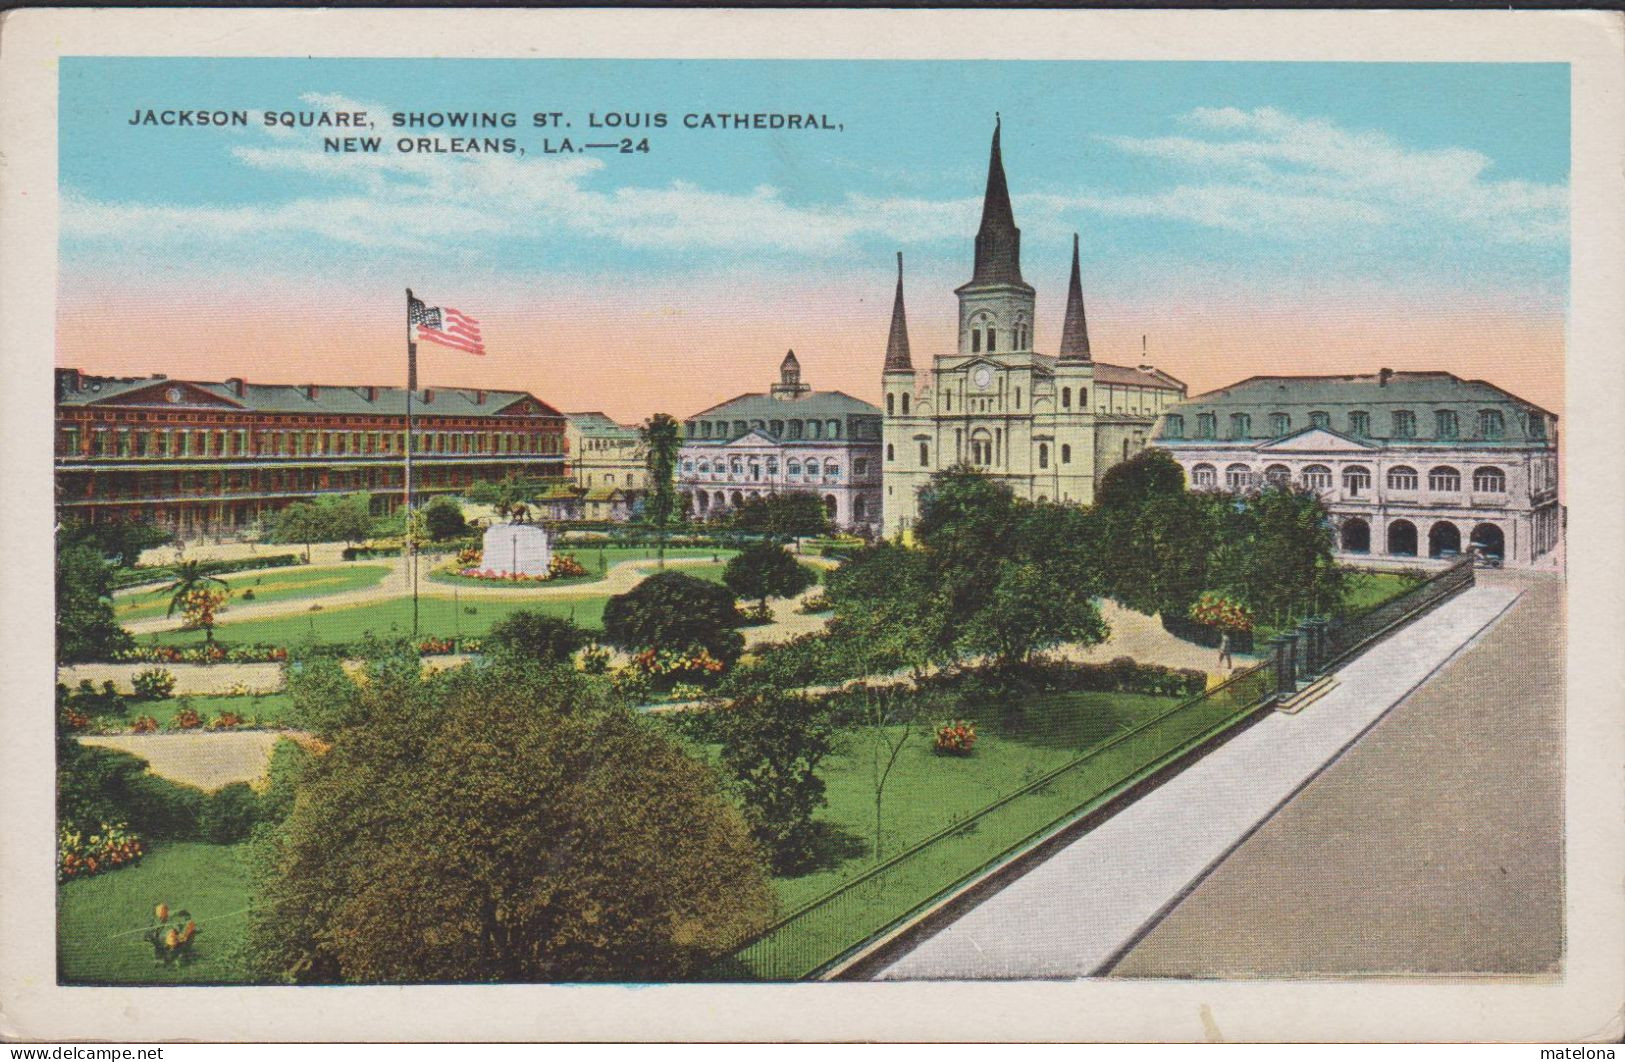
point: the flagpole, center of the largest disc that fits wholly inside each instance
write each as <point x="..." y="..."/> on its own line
<point x="411" y="438"/>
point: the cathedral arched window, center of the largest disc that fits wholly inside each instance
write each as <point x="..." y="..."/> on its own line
<point x="793" y="468"/>
<point x="890" y="453"/>
<point x="991" y="342"/>
<point x="905" y="403"/>
<point x="1018" y="398"/>
<point x="1066" y="453"/>
<point x="891" y="405"/>
<point x="1043" y="455"/>
<point x="1066" y="398"/>
<point x="975" y="340"/>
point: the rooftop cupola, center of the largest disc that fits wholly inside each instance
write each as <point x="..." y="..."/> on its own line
<point x="897" y="356"/>
<point x="789" y="385"/>
<point x="1075" y="330"/>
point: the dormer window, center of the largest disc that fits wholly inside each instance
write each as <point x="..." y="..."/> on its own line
<point x="1173" y="427"/>
<point x="1359" y="424"/>
<point x="1241" y="425"/>
<point x="1280" y="424"/>
<point x="1206" y="425"/>
<point x="1319" y="418"/>
<point x="1404" y="424"/>
<point x="1445" y="424"/>
<point x="1491" y="425"/>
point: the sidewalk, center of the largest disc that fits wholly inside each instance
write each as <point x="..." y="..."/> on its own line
<point x="1073" y="914"/>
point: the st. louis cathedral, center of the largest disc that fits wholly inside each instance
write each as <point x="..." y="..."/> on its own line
<point x="1046" y="424"/>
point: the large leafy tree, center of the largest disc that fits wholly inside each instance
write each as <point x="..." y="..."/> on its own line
<point x="86" y="627"/>
<point x="772" y="744"/>
<point x="1152" y="538"/>
<point x="502" y="823"/>
<point x="1029" y="610"/>
<point x="763" y="570"/>
<point x="1282" y="563"/>
<point x="443" y="519"/>
<point x="670" y="610"/>
<point x="120" y="541"/>
<point x="347" y="518"/>
<point x="888" y="606"/>
<point x="663" y="437"/>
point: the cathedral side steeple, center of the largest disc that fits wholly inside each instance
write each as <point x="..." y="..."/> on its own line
<point x="998" y="240"/>
<point x="1075" y="329"/>
<point x="897" y="354"/>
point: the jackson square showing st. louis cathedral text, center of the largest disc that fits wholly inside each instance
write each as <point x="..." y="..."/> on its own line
<point x="741" y="521"/>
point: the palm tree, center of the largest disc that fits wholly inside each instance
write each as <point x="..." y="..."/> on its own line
<point x="189" y="577"/>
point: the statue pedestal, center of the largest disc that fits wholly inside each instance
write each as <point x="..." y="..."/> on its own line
<point x="516" y="549"/>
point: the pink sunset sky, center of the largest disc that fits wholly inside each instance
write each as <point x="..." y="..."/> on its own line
<point x="634" y="352"/>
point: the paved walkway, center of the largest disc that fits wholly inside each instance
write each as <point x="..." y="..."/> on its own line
<point x="1073" y="914"/>
<point x="205" y="760"/>
<point x="1435" y="846"/>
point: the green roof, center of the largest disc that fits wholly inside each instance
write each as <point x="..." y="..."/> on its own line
<point x="76" y="389"/>
<point x="599" y="426"/>
<point x="1379" y="395"/>
<point x="815" y="405"/>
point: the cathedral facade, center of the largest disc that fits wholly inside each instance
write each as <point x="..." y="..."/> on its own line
<point x="1047" y="425"/>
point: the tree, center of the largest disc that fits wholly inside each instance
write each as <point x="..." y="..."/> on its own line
<point x="662" y="435"/>
<point x="502" y="823"/>
<point x="443" y="519"/>
<point x="122" y="541"/>
<point x="536" y="636"/>
<point x="890" y="717"/>
<point x="670" y="610"/>
<point x="772" y="744"/>
<point x="332" y="519"/>
<point x="1154" y="539"/>
<point x="888" y="605"/>
<point x="197" y="594"/>
<point x="1282" y="566"/>
<point x="299" y="522"/>
<point x="786" y="515"/>
<point x="763" y="570"/>
<point x="86" y="627"/>
<point x="1027" y="611"/>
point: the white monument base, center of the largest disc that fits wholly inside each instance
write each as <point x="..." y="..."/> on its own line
<point x="516" y="549"/>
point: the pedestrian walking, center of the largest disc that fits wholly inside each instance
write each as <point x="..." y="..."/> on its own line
<point x="1224" y="651"/>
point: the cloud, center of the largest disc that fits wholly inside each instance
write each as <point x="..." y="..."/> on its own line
<point x="1262" y="173"/>
<point x="1273" y="173"/>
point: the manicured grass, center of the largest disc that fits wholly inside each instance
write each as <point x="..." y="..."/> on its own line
<point x="100" y="920"/>
<point x="596" y="561"/>
<point x="1367" y="589"/>
<point x="269" y="708"/>
<point x="927" y="792"/>
<point x="438" y="617"/>
<point x="277" y="584"/>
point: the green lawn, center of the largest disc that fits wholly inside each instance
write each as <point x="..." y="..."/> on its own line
<point x="927" y="792"/>
<point x="276" y="584"/>
<point x="1367" y="588"/>
<point x="100" y="920"/>
<point x="439" y="617"/>
<point x="269" y="708"/>
<point x="597" y="561"/>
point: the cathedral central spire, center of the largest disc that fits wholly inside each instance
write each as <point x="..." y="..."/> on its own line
<point x="998" y="241"/>
<point x="897" y="356"/>
<point x="1075" y="330"/>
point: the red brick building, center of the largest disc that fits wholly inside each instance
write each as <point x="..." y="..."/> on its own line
<point x="214" y="458"/>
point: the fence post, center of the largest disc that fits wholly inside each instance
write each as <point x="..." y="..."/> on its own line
<point x="1279" y="663"/>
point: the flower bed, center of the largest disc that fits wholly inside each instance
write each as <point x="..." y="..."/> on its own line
<point x="562" y="566"/>
<point x="202" y="654"/>
<point x="956" y="738"/>
<point x="79" y="856"/>
<point x="666" y="668"/>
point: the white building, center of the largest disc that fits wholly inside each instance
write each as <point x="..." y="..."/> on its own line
<point x="1408" y="464"/>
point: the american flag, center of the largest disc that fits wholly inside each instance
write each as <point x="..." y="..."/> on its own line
<point x="446" y="326"/>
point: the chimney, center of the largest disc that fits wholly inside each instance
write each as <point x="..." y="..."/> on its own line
<point x="428" y="395"/>
<point x="372" y="392"/>
<point x="69" y="381"/>
<point x="238" y="386"/>
<point x="1382" y="377"/>
<point x="311" y="390"/>
<point x="159" y="376"/>
<point x="479" y="398"/>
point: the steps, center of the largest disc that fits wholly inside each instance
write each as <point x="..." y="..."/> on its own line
<point x="1308" y="695"/>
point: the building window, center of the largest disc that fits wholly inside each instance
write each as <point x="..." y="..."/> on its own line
<point x="1402" y="477"/>
<point x="981" y="449"/>
<point x="1360" y="424"/>
<point x="793" y="468"/>
<point x="1066" y="453"/>
<point x="891" y="405"/>
<point x="1319" y="418"/>
<point x="1083" y="398"/>
<point x="815" y="428"/>
<point x="990" y="340"/>
<point x="1356" y="480"/>
<point x="1537" y="426"/>
<point x="1491" y="425"/>
<point x="1404" y="424"/>
<point x="1241" y="425"/>
<point x="1174" y="427"/>
<point x="1066" y="398"/>
<point x="1206" y="425"/>
<point x="1238" y="477"/>
<point x="1489" y="481"/>
<point x="1018" y="398"/>
<point x="1280" y="424"/>
<point x="1204" y="476"/>
<point x="925" y="456"/>
<point x="1043" y="455"/>
<point x="905" y="405"/>
<point x="860" y="466"/>
<point x="1444" y="478"/>
<point x="1317" y="477"/>
<point x="890" y="454"/>
<point x="1445" y="424"/>
<point x="1277" y="475"/>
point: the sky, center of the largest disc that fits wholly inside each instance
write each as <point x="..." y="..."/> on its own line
<point x="1234" y="219"/>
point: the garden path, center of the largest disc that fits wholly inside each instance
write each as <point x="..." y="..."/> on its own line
<point x="1142" y="637"/>
<point x="207" y="760"/>
<point x="191" y="680"/>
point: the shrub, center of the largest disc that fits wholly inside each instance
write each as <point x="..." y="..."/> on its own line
<point x="144" y="724"/>
<point x="226" y="721"/>
<point x="154" y="683"/>
<point x="186" y="718"/>
<point x="111" y="847"/>
<point x="674" y="610"/>
<point x="956" y="738"/>
<point x="595" y="659"/>
<point x="469" y="556"/>
<point x="537" y="636"/>
<point x="1222" y="613"/>
<point x="564" y="566"/>
<point x="668" y="667"/>
<point x="230" y="814"/>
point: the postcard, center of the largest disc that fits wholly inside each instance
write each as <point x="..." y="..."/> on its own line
<point x="873" y="525"/>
